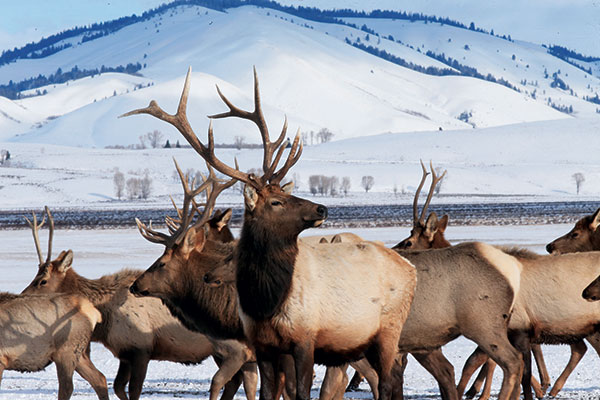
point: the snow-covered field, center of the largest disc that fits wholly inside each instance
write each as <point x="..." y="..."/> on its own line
<point x="99" y="252"/>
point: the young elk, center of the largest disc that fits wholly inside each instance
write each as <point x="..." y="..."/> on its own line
<point x="426" y="234"/>
<point x="293" y="298"/>
<point x="585" y="236"/>
<point x="36" y="330"/>
<point x="136" y="330"/>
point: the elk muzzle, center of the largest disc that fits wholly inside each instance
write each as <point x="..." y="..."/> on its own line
<point x="592" y="292"/>
<point x="135" y="290"/>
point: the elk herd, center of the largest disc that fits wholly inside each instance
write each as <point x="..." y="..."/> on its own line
<point x="272" y="304"/>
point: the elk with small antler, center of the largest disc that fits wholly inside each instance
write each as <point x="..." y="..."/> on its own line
<point x="426" y="234"/>
<point x="293" y="298"/>
<point x="136" y="330"/>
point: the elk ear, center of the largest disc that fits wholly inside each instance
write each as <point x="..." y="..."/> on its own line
<point x="193" y="240"/>
<point x="431" y="226"/>
<point x="288" y="187"/>
<point x="223" y="219"/>
<point x="250" y="197"/>
<point x="595" y="220"/>
<point x="64" y="261"/>
<point x="443" y="224"/>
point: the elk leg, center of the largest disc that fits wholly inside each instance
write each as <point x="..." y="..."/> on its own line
<point x="123" y="375"/>
<point x="442" y="370"/>
<point x="228" y="368"/>
<point x="231" y="387"/>
<point x="363" y="368"/>
<point x="90" y="373"/>
<point x="354" y="382"/>
<point x="65" y="370"/>
<point x="541" y="365"/>
<point x="475" y="360"/>
<point x="333" y="382"/>
<point x="382" y="356"/>
<point x="398" y="368"/>
<point x="267" y="367"/>
<point x="250" y="379"/>
<point x="578" y="349"/>
<point x="522" y="343"/>
<point x="286" y="374"/>
<point x="139" y="367"/>
<point x="488" y="368"/>
<point x="303" y="354"/>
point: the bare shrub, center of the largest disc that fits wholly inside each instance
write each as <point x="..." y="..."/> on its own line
<point x="367" y="182"/>
<point x="345" y="186"/>
<point x="119" y="183"/>
<point x="579" y="178"/>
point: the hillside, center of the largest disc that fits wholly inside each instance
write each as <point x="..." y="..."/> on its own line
<point x="312" y="72"/>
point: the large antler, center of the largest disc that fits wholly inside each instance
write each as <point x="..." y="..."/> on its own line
<point x="35" y="227"/>
<point x="179" y="120"/>
<point x="434" y="182"/>
<point x="177" y="227"/>
<point x="277" y="148"/>
<point x="269" y="148"/>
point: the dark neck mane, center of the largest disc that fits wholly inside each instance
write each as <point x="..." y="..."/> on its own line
<point x="265" y="265"/>
<point x="201" y="308"/>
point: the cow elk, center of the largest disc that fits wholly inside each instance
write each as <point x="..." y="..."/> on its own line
<point x="135" y="330"/>
<point x="585" y="236"/>
<point x="36" y="330"/>
<point x="293" y="298"/>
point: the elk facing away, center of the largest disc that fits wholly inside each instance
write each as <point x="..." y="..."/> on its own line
<point x="136" y="330"/>
<point x="36" y="330"/>
<point x="293" y="298"/>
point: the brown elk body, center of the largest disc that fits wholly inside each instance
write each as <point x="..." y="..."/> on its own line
<point x="36" y="330"/>
<point x="136" y="330"/>
<point x="291" y="295"/>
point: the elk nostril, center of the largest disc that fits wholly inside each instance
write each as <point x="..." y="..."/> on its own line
<point x="322" y="211"/>
<point x="133" y="288"/>
<point x="549" y="248"/>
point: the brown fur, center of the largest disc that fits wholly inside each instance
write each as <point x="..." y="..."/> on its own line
<point x="176" y="278"/>
<point x="135" y="330"/>
<point x="303" y="305"/>
<point x="585" y="236"/>
<point x="36" y="330"/>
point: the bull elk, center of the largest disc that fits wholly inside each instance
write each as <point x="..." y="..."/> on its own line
<point x="36" y="330"/>
<point x="292" y="296"/>
<point x="135" y="330"/>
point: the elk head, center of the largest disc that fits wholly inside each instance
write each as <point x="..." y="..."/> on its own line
<point x="592" y="291"/>
<point x="427" y="234"/>
<point x="269" y="204"/>
<point x="51" y="273"/>
<point x="585" y="236"/>
<point x="184" y="243"/>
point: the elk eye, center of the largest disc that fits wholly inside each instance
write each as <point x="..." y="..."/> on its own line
<point x="161" y="264"/>
<point x="43" y="282"/>
<point x="574" y="235"/>
<point x="276" y="203"/>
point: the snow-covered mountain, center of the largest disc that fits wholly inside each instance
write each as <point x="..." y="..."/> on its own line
<point x="317" y="74"/>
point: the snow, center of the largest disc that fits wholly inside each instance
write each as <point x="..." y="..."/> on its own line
<point x="98" y="252"/>
<point x="531" y="161"/>
<point x="307" y="72"/>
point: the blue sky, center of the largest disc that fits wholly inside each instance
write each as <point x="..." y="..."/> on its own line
<point x="24" y="21"/>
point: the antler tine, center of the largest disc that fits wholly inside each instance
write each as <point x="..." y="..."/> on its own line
<point x="217" y="186"/>
<point x="293" y="157"/>
<point x="50" y="234"/>
<point x="150" y="234"/>
<point x="179" y="120"/>
<point x="416" y="218"/>
<point x="434" y="181"/>
<point x="35" y="231"/>
<point x="258" y="118"/>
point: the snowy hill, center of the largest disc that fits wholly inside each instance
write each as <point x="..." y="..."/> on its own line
<point x="308" y="71"/>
